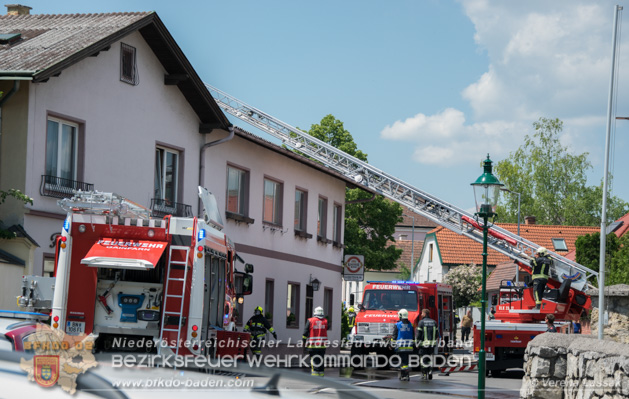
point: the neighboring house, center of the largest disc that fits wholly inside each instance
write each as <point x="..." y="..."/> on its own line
<point x="444" y="249"/>
<point x="409" y="237"/>
<point x="109" y="102"/>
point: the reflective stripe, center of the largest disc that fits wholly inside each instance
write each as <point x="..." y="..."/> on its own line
<point x="433" y="341"/>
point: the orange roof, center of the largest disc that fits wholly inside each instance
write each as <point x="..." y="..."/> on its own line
<point x="504" y="271"/>
<point x="624" y="227"/>
<point x="457" y="250"/>
<point x="407" y="248"/>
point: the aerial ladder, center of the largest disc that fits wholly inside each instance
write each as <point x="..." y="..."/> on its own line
<point x="429" y="206"/>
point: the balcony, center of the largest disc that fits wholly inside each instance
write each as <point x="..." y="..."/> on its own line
<point x="57" y="187"/>
<point x="162" y="207"/>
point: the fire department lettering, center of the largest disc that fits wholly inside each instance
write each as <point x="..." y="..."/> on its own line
<point x="133" y="245"/>
<point x="389" y="287"/>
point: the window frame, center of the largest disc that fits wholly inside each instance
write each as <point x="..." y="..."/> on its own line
<point x="296" y="297"/>
<point x="177" y="175"/>
<point x="75" y="147"/>
<point x="276" y="206"/>
<point x="243" y="191"/>
<point x="301" y="214"/>
<point x="269" y="301"/>
<point x="337" y="227"/>
<point x="322" y="218"/>
<point x="328" y="304"/>
<point x="128" y="53"/>
<point x="563" y="241"/>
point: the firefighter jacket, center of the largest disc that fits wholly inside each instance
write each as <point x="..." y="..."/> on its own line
<point x="316" y="333"/>
<point x="541" y="266"/>
<point x="427" y="332"/>
<point x="403" y="336"/>
<point x="257" y="326"/>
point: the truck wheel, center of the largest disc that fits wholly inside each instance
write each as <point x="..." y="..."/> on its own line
<point x="357" y="351"/>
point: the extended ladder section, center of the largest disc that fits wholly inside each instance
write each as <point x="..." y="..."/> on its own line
<point x="99" y="203"/>
<point x="440" y="212"/>
<point x="174" y="297"/>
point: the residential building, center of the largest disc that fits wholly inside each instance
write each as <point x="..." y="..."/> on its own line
<point x="444" y="249"/>
<point x="109" y="102"/>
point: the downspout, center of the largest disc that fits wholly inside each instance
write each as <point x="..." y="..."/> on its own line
<point x="202" y="160"/>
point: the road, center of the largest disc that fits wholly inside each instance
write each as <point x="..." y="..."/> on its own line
<point x="463" y="384"/>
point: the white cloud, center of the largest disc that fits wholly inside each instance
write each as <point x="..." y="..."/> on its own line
<point x="546" y="59"/>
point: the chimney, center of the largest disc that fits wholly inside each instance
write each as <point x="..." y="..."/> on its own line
<point x="529" y="220"/>
<point x="17" y="9"/>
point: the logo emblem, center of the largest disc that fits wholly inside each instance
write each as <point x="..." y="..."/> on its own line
<point x="46" y="370"/>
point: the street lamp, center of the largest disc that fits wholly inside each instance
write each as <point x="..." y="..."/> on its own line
<point x="517" y="267"/>
<point x="412" y="245"/>
<point x="486" y="192"/>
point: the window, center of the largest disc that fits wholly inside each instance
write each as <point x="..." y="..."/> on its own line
<point x="323" y="214"/>
<point x="128" y="66"/>
<point x="328" y="294"/>
<point x="272" y="202"/>
<point x="560" y="244"/>
<point x="337" y="220"/>
<point x="49" y="265"/>
<point x="430" y="253"/>
<point x="61" y="151"/>
<point x="301" y="201"/>
<point x="268" y="299"/>
<point x="292" y="306"/>
<point x="237" y="191"/>
<point x="166" y="175"/>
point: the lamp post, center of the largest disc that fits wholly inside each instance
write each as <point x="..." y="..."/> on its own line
<point x="517" y="267"/>
<point x="412" y="245"/>
<point x="486" y="192"/>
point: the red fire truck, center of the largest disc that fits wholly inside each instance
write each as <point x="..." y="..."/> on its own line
<point x="516" y="321"/>
<point x="139" y="283"/>
<point x="378" y="313"/>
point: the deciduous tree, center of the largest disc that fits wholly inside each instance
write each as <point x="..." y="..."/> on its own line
<point x="465" y="281"/>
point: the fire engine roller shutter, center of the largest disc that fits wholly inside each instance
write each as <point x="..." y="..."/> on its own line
<point x="125" y="254"/>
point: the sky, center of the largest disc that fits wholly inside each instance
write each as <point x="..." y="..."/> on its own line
<point x="427" y="88"/>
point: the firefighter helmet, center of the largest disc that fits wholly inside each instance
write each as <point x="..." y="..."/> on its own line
<point x="258" y="310"/>
<point x="541" y="251"/>
<point x="403" y="314"/>
<point x="351" y="309"/>
<point x="318" y="312"/>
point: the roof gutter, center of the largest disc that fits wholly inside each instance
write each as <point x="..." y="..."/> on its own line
<point x="202" y="160"/>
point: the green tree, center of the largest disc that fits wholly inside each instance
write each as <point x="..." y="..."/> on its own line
<point x="465" y="281"/>
<point x="616" y="258"/>
<point x="369" y="224"/>
<point x="18" y="195"/>
<point x="552" y="182"/>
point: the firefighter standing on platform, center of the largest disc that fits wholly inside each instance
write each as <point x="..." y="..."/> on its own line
<point x="403" y="340"/>
<point x="258" y="326"/>
<point x="427" y="335"/>
<point x="541" y="271"/>
<point x="316" y="340"/>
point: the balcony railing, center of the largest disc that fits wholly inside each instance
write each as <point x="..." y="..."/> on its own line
<point x="162" y="207"/>
<point x="57" y="187"/>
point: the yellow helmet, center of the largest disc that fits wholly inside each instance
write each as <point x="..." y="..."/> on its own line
<point x="351" y="309"/>
<point x="258" y="309"/>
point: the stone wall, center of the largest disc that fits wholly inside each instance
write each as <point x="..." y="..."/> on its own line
<point x="575" y="366"/>
<point x="617" y="305"/>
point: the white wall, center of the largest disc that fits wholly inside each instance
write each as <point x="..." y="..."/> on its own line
<point x="122" y="125"/>
<point x="429" y="270"/>
<point x="280" y="255"/>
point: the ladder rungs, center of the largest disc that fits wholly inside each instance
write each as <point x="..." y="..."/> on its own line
<point x="170" y="329"/>
<point x="171" y="312"/>
<point x="176" y="279"/>
<point x="174" y="296"/>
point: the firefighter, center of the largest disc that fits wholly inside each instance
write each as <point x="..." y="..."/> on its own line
<point x="427" y="334"/>
<point x="403" y="339"/>
<point x="351" y="317"/>
<point x="316" y="340"/>
<point x="258" y="326"/>
<point x="541" y="271"/>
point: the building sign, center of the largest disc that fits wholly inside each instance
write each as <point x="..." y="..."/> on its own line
<point x="354" y="268"/>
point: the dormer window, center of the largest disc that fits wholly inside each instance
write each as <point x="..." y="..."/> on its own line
<point x="560" y="244"/>
<point x="128" y="66"/>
